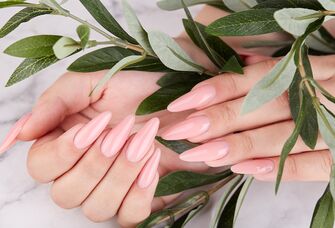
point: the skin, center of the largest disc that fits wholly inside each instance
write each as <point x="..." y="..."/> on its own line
<point x="64" y="107"/>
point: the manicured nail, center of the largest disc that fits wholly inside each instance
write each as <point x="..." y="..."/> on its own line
<point x="14" y="132"/>
<point x="189" y="128"/>
<point x="149" y="171"/>
<point x="254" y="167"/>
<point x="198" y="97"/>
<point x="92" y="130"/>
<point x="117" y="137"/>
<point x="142" y="141"/>
<point x="206" y="152"/>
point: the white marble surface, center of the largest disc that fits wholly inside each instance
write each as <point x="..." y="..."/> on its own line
<point x="23" y="203"/>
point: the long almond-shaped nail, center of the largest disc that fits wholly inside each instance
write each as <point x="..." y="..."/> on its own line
<point x="117" y="137"/>
<point x="149" y="171"/>
<point x="142" y="141"/>
<point x="192" y="127"/>
<point x="206" y="152"/>
<point x="196" y="98"/>
<point x="13" y="133"/>
<point x="260" y="166"/>
<point x="92" y="130"/>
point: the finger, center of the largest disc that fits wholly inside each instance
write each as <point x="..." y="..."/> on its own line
<point x="262" y="142"/>
<point x="137" y="204"/>
<point x="51" y="159"/>
<point x="231" y="86"/>
<point x="104" y="202"/>
<point x="69" y="190"/>
<point x="309" y="166"/>
<point x="225" y="118"/>
<point x="63" y="98"/>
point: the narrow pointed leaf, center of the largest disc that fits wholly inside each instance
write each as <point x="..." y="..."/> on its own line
<point x="29" y="67"/>
<point x="33" y="47"/>
<point x="180" y="181"/>
<point x="83" y="32"/>
<point x="178" y="146"/>
<point x="240" y="5"/>
<point x="323" y="215"/>
<point x="326" y="122"/>
<point x="308" y="4"/>
<point x="65" y="46"/>
<point x="13" y="3"/>
<point x="328" y="4"/>
<point x="232" y="66"/>
<point x="241" y="196"/>
<point x="105" y="19"/>
<point x="176" y="4"/>
<point x="22" y="16"/>
<point x="172" y="78"/>
<point x="324" y="92"/>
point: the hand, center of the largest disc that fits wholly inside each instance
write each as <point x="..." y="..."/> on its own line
<point x="259" y="134"/>
<point x="103" y="182"/>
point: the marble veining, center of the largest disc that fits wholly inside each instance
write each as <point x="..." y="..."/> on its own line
<point x="24" y="203"/>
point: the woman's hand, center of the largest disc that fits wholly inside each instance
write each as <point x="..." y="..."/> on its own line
<point x="259" y="134"/>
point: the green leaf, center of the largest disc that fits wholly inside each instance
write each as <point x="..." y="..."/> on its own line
<point x="29" y="67"/>
<point x="176" y="4"/>
<point x="328" y="4"/>
<point x="272" y="85"/>
<point x="135" y="27"/>
<point x="182" y="222"/>
<point x="22" y="16"/>
<point x="171" y="54"/>
<point x="53" y="4"/>
<point x="296" y="20"/>
<point x="123" y="63"/>
<point x="240" y="5"/>
<point x="105" y="19"/>
<point x="323" y="215"/>
<point x="83" y="32"/>
<point x="245" y="23"/>
<point x="324" y="92"/>
<point x="172" y="78"/>
<point x="241" y="196"/>
<point x="180" y="181"/>
<point x="106" y="58"/>
<point x="198" y="35"/>
<point x="217" y="222"/>
<point x="309" y="4"/>
<point x="291" y="141"/>
<point x="233" y="66"/>
<point x="326" y="122"/>
<point x="13" y="3"/>
<point x="217" y="45"/>
<point x="321" y="40"/>
<point x="33" y="47"/>
<point x="65" y="46"/>
<point x="178" y="146"/>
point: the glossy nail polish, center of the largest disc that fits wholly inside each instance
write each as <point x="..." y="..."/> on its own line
<point x="142" y="141"/>
<point x="206" y="152"/>
<point x="254" y="167"/>
<point x="149" y="171"/>
<point x="92" y="130"/>
<point x="117" y="137"/>
<point x="189" y="128"/>
<point x="13" y="133"/>
<point x="196" y="98"/>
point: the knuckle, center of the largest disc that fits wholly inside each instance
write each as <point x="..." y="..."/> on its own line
<point x="33" y="167"/>
<point x="60" y="198"/>
<point x="92" y="170"/>
<point x="229" y="84"/>
<point x="291" y="167"/>
<point x="227" y="113"/>
<point x="246" y="142"/>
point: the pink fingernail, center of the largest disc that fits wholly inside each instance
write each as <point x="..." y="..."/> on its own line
<point x="92" y="130"/>
<point x="117" y="137"/>
<point x="254" y="167"/>
<point x="149" y="171"/>
<point x="189" y="128"/>
<point x="206" y="152"/>
<point x="196" y="98"/>
<point x="142" y="141"/>
<point x="14" y="132"/>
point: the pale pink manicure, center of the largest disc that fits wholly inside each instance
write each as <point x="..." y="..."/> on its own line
<point x="14" y="132"/>
<point x="196" y="98"/>
<point x="207" y="152"/>
<point x="149" y="171"/>
<point x="117" y="137"/>
<point x="254" y="167"/>
<point x="142" y="141"/>
<point x="92" y="130"/>
<point x="189" y="128"/>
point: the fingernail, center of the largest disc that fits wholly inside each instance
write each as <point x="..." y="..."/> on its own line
<point x="254" y="167"/>
<point x="149" y="171"/>
<point x="92" y="130"/>
<point x="142" y="141"/>
<point x="189" y="128"/>
<point x="196" y="98"/>
<point x="14" y="132"/>
<point x="117" y="137"/>
<point x="206" y="152"/>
